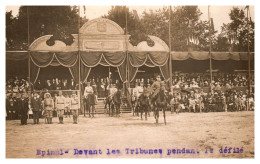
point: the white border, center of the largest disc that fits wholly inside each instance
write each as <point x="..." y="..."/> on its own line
<point x="123" y="2"/>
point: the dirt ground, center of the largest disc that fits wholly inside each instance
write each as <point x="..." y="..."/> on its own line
<point x="185" y="131"/>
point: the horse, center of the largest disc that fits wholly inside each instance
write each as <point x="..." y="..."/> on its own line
<point x="160" y="102"/>
<point x="90" y="104"/>
<point x="115" y="103"/>
<point x="144" y="105"/>
<point x="135" y="106"/>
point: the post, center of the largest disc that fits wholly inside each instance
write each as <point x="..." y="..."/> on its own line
<point x="79" y="64"/>
<point x="170" y="48"/>
<point x="210" y="59"/>
<point x="127" y="57"/>
<point x="29" y="60"/>
<point x="248" y="52"/>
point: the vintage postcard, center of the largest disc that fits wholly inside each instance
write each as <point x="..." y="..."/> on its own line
<point x="130" y="81"/>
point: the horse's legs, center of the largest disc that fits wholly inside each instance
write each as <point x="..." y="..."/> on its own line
<point x="141" y="112"/>
<point x="164" y="116"/>
<point x="146" y="110"/>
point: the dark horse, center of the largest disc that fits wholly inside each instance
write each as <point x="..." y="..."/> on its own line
<point x="115" y="103"/>
<point x="135" y="105"/>
<point x="90" y="104"/>
<point x="144" y="105"/>
<point x="160" y="103"/>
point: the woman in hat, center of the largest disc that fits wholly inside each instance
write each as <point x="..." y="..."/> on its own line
<point x="48" y="106"/>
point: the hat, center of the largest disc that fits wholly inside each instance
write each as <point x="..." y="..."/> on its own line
<point x="47" y="94"/>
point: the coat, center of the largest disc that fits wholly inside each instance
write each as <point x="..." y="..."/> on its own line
<point x="22" y="106"/>
<point x="36" y="104"/>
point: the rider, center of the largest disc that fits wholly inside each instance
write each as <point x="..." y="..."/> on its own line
<point x="156" y="88"/>
<point x="88" y="90"/>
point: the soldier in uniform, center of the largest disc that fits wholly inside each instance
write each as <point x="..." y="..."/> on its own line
<point x="74" y="106"/>
<point x="48" y="106"/>
<point x="67" y="105"/>
<point x="60" y="106"/>
<point x="36" y="107"/>
<point x="156" y="85"/>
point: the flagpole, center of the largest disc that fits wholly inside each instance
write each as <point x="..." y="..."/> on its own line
<point x="170" y="48"/>
<point x="127" y="84"/>
<point x="210" y="59"/>
<point x="29" y="60"/>
<point x="248" y="51"/>
<point x="79" y="65"/>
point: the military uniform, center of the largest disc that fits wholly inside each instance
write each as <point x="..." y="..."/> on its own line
<point x="48" y="107"/>
<point x="74" y="106"/>
<point x="60" y="106"/>
<point x="36" y="108"/>
<point x="156" y="88"/>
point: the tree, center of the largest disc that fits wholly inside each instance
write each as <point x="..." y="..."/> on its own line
<point x="134" y="25"/>
<point x="59" y="21"/>
<point x="236" y="32"/>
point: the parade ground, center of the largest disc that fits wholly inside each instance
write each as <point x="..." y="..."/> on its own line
<point x="186" y="135"/>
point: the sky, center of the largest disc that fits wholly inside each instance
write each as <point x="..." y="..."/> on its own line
<point x="218" y="13"/>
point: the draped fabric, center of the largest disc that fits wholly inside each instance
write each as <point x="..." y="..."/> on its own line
<point x="137" y="59"/>
<point x="203" y="55"/>
<point x="84" y="72"/>
<point x="122" y="71"/>
<point x="92" y="59"/>
<point x="150" y="59"/>
<point x="74" y="71"/>
<point x="34" y="72"/>
<point x="44" y="59"/>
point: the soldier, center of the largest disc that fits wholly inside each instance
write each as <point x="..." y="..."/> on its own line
<point x="67" y="105"/>
<point x="48" y="106"/>
<point x="23" y="109"/>
<point x="74" y="106"/>
<point x="156" y="85"/>
<point x="36" y="107"/>
<point x="60" y="106"/>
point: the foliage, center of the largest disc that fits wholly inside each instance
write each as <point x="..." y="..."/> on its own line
<point x="236" y="32"/>
<point x="59" y="21"/>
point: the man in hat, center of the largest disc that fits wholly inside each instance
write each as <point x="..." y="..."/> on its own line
<point x="36" y="107"/>
<point x="48" y="106"/>
<point x="23" y="109"/>
<point x="60" y="106"/>
<point x="156" y="85"/>
<point x="74" y="106"/>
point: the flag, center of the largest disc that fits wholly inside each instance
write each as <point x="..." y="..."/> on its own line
<point x="84" y="7"/>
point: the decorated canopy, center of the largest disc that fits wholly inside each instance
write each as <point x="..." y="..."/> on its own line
<point x="103" y="42"/>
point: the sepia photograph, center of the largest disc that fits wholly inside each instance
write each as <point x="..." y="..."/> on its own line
<point x="125" y="81"/>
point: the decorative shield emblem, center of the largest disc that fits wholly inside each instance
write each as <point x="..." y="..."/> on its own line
<point x="101" y="27"/>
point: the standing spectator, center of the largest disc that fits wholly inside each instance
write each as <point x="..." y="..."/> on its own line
<point x="23" y="109"/>
<point x="64" y="85"/>
<point x="38" y="85"/>
<point x="72" y="85"/>
<point x="36" y="107"/>
<point x="48" y="107"/>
